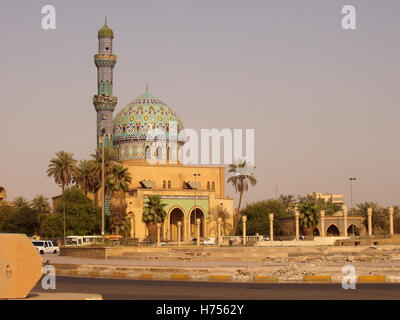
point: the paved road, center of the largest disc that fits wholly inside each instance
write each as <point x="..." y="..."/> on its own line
<point x="122" y="289"/>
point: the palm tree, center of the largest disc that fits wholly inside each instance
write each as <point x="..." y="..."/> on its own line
<point x="61" y="169"/>
<point x="153" y="213"/>
<point x="85" y="176"/>
<point x="380" y="216"/>
<point x="20" y="202"/>
<point x="220" y="212"/>
<point x="308" y="215"/>
<point x="240" y="180"/>
<point x="118" y="184"/>
<point x="41" y="204"/>
<point x="110" y="159"/>
<point x="288" y="202"/>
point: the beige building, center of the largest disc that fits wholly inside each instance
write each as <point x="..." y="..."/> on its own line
<point x="337" y="198"/>
<point x="3" y="193"/>
<point x="187" y="198"/>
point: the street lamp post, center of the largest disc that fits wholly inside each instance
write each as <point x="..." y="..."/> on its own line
<point x="351" y="202"/>
<point x="60" y="185"/>
<point x="195" y="194"/>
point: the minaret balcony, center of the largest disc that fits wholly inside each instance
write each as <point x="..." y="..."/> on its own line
<point x="105" y="60"/>
<point x="104" y="103"/>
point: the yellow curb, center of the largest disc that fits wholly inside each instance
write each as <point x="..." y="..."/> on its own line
<point x="146" y="276"/>
<point x="317" y="279"/>
<point x="179" y="277"/>
<point x="93" y="273"/>
<point x="371" y="278"/>
<point x="60" y="272"/>
<point x="265" y="279"/>
<point x="219" y="278"/>
<point x="73" y="272"/>
<point x="117" y="274"/>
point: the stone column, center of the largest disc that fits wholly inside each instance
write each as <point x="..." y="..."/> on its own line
<point x="344" y="208"/>
<point x="271" y="227"/>
<point x="179" y="233"/>
<point x="244" y="219"/>
<point x="132" y="228"/>
<point x="296" y="215"/>
<point x="391" y="211"/>
<point x="370" y="221"/>
<point x="322" y="214"/>
<point x="198" y="221"/>
<point x="219" y="230"/>
<point x="158" y="233"/>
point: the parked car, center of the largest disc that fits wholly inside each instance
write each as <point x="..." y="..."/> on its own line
<point x="209" y="241"/>
<point x="46" y="246"/>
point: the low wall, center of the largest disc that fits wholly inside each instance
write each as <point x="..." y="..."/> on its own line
<point x="84" y="252"/>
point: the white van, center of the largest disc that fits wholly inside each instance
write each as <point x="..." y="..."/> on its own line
<point x="46" y="246"/>
<point x="83" y="240"/>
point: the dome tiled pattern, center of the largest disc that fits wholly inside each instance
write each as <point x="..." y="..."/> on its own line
<point x="146" y="121"/>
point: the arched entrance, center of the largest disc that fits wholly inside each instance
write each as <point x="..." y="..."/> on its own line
<point x="332" y="231"/>
<point x="353" y="229"/>
<point x="196" y="213"/>
<point x="316" y="232"/>
<point x="176" y="216"/>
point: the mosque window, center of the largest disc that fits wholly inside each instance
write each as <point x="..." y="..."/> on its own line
<point x="208" y="185"/>
<point x="168" y="154"/>
<point x="169" y="184"/>
<point x="164" y="184"/>
<point x="158" y="153"/>
<point x="147" y="154"/>
<point x="213" y="186"/>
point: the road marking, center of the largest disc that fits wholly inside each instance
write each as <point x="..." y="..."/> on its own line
<point x="146" y="276"/>
<point x="371" y="278"/>
<point x="73" y="272"/>
<point x="118" y="274"/>
<point x="179" y="277"/>
<point x="219" y="278"/>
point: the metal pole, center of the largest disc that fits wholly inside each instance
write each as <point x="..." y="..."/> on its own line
<point x="64" y="215"/>
<point x="102" y="188"/>
<point x="351" y="203"/>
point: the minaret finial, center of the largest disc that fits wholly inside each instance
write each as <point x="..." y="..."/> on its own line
<point x="105" y="20"/>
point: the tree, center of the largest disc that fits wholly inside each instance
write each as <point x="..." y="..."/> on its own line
<point x="288" y="202"/>
<point x="380" y="216"/>
<point x="20" y="202"/>
<point x="86" y="177"/>
<point x="41" y="204"/>
<point x="61" y="169"/>
<point x="258" y="216"/>
<point x="241" y="179"/>
<point x="308" y="214"/>
<point x="21" y="220"/>
<point x="118" y="185"/>
<point x="220" y="212"/>
<point x="110" y="160"/>
<point x="83" y="217"/>
<point x="153" y="213"/>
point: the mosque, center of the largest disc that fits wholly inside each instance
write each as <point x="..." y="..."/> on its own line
<point x="148" y="136"/>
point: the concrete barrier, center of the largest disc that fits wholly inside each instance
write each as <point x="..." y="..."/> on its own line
<point x="20" y="266"/>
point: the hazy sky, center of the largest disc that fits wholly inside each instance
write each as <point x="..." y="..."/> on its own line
<point x="324" y="102"/>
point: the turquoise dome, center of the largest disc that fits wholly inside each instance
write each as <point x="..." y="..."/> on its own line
<point x="145" y="118"/>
